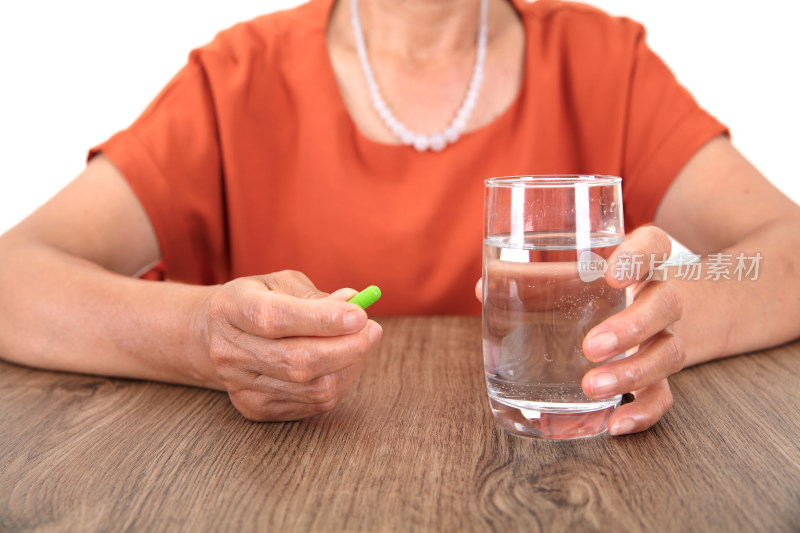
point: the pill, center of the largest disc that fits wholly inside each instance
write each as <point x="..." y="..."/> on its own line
<point x="366" y="297"/>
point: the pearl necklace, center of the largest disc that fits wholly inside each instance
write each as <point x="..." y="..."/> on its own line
<point x="450" y="134"/>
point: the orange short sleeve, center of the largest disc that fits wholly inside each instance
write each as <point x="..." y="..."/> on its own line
<point x="171" y="158"/>
<point x="664" y="128"/>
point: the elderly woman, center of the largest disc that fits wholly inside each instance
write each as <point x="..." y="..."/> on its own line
<point x="345" y="143"/>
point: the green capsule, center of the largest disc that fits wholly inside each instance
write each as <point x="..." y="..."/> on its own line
<point x="367" y="297"/>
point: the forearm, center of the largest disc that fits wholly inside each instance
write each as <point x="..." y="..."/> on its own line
<point x="727" y="317"/>
<point x="64" y="313"/>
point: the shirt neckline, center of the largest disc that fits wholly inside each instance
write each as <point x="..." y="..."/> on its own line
<point x="386" y="149"/>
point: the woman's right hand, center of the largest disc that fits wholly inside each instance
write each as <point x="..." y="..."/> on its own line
<point x="284" y="350"/>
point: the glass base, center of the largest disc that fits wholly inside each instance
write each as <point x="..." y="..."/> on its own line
<point x="552" y="424"/>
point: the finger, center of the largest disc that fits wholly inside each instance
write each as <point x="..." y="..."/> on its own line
<point x="656" y="307"/>
<point x="533" y="284"/>
<point x="290" y="282"/>
<point x="275" y="315"/>
<point x="343" y="294"/>
<point x="271" y="399"/>
<point x="659" y="358"/>
<point x="549" y="292"/>
<point x="322" y="390"/>
<point x="649" y="405"/>
<point x="479" y="290"/>
<point x="640" y="252"/>
<point x="255" y="407"/>
<point x="330" y="388"/>
<point x="303" y="359"/>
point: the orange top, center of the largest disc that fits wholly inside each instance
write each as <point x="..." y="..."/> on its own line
<point x="248" y="161"/>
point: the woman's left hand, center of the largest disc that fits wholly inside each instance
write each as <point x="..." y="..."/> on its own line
<point x="647" y="322"/>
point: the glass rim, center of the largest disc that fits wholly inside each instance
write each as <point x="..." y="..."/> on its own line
<point x="553" y="180"/>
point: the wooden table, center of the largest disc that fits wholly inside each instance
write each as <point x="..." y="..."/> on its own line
<point x="412" y="448"/>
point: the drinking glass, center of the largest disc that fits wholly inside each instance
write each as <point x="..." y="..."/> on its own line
<point x="546" y="240"/>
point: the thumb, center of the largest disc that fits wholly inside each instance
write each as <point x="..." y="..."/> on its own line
<point x="479" y="290"/>
<point x="343" y="294"/>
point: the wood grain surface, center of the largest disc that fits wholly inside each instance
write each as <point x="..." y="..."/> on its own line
<point x="413" y="447"/>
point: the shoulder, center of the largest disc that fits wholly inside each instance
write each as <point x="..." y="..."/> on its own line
<point x="267" y="35"/>
<point x="578" y="22"/>
<point x="586" y="41"/>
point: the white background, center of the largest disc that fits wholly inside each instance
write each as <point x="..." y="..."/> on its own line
<point x="73" y="73"/>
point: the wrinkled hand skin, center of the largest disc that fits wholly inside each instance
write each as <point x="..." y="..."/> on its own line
<point x="284" y="350"/>
<point x="646" y="323"/>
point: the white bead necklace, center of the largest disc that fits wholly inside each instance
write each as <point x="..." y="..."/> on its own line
<point x="450" y="134"/>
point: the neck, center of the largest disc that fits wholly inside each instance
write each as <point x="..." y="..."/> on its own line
<point x="423" y="56"/>
<point x="418" y="29"/>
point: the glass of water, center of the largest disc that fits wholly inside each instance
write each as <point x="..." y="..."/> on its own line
<point x="546" y="240"/>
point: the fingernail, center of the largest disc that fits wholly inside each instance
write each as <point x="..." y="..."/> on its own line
<point x="603" y="383"/>
<point x="622" y="427"/>
<point x="603" y="343"/>
<point x="375" y="332"/>
<point x="354" y="321"/>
